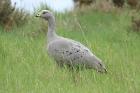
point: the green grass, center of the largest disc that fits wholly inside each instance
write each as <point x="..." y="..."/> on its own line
<point x="26" y="68"/>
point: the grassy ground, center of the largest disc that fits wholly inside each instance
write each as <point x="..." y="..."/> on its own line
<point x="26" y="68"/>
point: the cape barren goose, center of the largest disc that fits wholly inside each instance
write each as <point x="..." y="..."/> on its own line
<point x="67" y="51"/>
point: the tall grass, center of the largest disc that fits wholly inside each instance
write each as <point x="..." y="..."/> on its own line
<point x="26" y="67"/>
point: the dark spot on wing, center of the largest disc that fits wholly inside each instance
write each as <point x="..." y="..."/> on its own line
<point x="74" y="59"/>
<point x="67" y="51"/>
<point x="100" y="64"/>
<point x="70" y="53"/>
<point x="77" y="51"/>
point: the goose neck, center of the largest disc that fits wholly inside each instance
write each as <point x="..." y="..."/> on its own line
<point x="51" y="34"/>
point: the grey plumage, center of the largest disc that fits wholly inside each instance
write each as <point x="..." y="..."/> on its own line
<point x="67" y="51"/>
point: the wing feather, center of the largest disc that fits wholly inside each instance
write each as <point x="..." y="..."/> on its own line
<point x="68" y="51"/>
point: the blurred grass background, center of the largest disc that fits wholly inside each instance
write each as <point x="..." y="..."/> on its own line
<point x="26" y="67"/>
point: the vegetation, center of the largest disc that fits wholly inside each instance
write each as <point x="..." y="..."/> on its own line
<point x="11" y="16"/>
<point x="26" y="67"/>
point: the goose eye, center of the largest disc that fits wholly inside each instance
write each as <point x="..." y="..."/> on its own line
<point x="44" y="13"/>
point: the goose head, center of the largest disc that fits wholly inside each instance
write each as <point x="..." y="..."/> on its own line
<point x="45" y="14"/>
